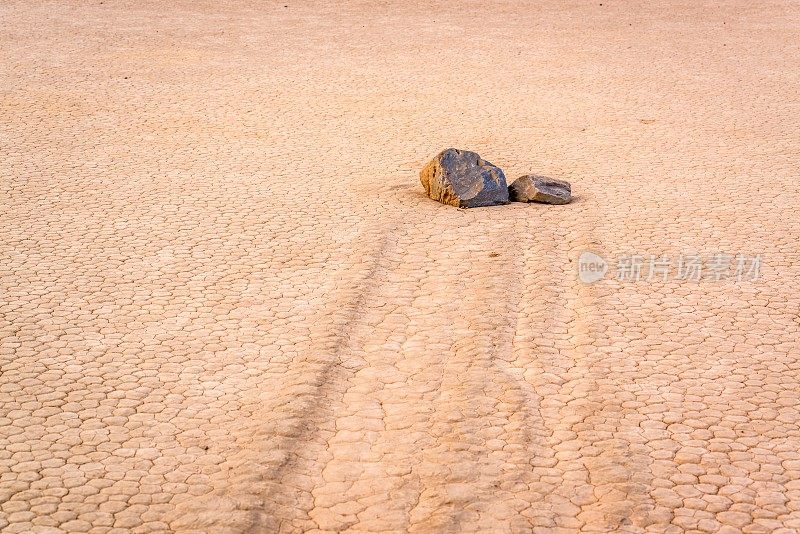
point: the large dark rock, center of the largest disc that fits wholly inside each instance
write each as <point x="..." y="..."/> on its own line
<point x="533" y="188"/>
<point x="461" y="178"/>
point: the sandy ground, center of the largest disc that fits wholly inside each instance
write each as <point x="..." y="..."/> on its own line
<point x="226" y="305"/>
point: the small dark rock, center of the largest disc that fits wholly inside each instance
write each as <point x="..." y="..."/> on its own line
<point x="461" y="178"/>
<point x="533" y="188"/>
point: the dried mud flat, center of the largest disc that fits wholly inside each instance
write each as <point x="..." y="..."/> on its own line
<point x="227" y="306"/>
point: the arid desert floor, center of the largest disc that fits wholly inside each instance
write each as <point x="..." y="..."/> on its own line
<point x="226" y="304"/>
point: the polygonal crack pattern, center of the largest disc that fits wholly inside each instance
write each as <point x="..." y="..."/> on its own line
<point x="226" y="304"/>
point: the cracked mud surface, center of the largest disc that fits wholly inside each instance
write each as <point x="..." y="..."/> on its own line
<point x="227" y="306"/>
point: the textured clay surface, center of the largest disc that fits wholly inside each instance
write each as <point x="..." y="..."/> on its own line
<point x="226" y="304"/>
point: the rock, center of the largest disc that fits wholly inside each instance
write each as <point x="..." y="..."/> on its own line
<point x="533" y="188"/>
<point x="461" y="178"/>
